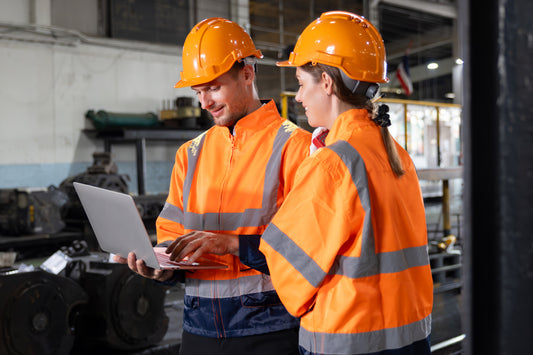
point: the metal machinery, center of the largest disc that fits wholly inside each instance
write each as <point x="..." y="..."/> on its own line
<point x="76" y="302"/>
<point x="79" y="303"/>
<point x="31" y="211"/>
<point x="184" y="114"/>
<point x="103" y="173"/>
<point x="38" y="313"/>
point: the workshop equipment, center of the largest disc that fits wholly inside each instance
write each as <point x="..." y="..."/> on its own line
<point x="39" y="313"/>
<point x="31" y="211"/>
<point x="105" y="119"/>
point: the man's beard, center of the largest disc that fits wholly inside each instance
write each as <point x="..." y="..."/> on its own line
<point x="227" y="120"/>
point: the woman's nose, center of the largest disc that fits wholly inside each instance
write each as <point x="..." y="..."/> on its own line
<point x="298" y="97"/>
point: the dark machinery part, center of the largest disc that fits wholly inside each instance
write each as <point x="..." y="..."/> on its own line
<point x="149" y="207"/>
<point x="27" y="211"/>
<point x="39" y="313"/>
<point x="185" y="115"/>
<point x="103" y="173"/>
<point x="102" y="164"/>
<point x="105" y="119"/>
<point x="125" y="311"/>
<point x="446" y="269"/>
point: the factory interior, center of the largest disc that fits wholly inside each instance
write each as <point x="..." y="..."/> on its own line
<point x="87" y="95"/>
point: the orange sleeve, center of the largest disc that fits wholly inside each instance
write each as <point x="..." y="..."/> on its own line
<point x="295" y="151"/>
<point x="314" y="223"/>
<point x="172" y="228"/>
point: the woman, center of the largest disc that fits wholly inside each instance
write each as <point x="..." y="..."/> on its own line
<point x="347" y="251"/>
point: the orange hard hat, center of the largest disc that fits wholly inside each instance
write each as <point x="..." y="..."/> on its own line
<point x="344" y="40"/>
<point x="211" y="49"/>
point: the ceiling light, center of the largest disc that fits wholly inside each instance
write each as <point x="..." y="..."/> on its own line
<point x="449" y="95"/>
<point x="459" y="61"/>
<point x="432" y="66"/>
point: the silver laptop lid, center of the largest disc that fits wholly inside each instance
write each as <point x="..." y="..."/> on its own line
<point x="116" y="223"/>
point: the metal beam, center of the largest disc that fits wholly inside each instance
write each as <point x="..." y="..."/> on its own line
<point x="421" y="72"/>
<point x="498" y="191"/>
<point x="429" y="7"/>
<point x="432" y="39"/>
<point x="372" y="8"/>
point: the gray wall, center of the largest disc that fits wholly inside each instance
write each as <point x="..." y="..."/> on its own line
<point x="54" y="66"/>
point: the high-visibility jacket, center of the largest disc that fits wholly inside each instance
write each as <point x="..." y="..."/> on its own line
<point x="347" y="251"/>
<point x="234" y="184"/>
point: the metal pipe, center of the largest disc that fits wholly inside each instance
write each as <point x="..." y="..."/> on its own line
<point x="498" y="176"/>
<point x="446" y="221"/>
<point x="405" y="127"/>
<point x="438" y="137"/>
<point x="281" y="39"/>
<point x="284" y="105"/>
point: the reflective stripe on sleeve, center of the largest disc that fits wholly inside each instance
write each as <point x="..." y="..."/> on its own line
<point x="367" y="342"/>
<point x="389" y="262"/>
<point x="171" y="212"/>
<point x="369" y="263"/>
<point x="296" y="256"/>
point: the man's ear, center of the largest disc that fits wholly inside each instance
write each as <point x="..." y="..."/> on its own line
<point x="327" y="83"/>
<point x="248" y="73"/>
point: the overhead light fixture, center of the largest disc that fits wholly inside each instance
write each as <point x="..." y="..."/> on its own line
<point x="459" y="61"/>
<point x="449" y="95"/>
<point x="432" y="66"/>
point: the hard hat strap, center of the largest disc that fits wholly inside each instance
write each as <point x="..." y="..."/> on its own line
<point x="359" y="87"/>
<point x="251" y="60"/>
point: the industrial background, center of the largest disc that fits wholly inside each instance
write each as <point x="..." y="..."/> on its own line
<point x="87" y="94"/>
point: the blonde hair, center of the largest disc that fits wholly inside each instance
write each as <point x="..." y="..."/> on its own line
<point x="361" y="102"/>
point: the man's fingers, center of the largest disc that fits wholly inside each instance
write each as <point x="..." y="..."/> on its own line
<point x="185" y="249"/>
<point x="119" y="259"/>
<point x="194" y="256"/>
<point x="132" y="262"/>
<point x="138" y="266"/>
<point x="173" y="245"/>
<point x="180" y="242"/>
<point x="163" y="275"/>
<point x="144" y="270"/>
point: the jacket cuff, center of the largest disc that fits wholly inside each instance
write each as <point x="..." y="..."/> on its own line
<point x="178" y="276"/>
<point x="250" y="255"/>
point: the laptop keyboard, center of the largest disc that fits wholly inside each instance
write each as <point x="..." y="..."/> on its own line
<point x="164" y="261"/>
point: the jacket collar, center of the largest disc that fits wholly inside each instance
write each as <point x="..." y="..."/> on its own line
<point x="346" y="123"/>
<point x="255" y="121"/>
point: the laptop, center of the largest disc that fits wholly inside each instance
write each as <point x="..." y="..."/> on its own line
<point x="119" y="229"/>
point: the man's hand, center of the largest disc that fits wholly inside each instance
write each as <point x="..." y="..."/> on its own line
<point x="197" y="243"/>
<point x="139" y="267"/>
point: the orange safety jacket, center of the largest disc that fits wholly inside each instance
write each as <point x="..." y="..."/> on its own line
<point x="347" y="251"/>
<point x="233" y="184"/>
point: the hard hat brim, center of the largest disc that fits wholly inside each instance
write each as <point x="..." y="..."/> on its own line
<point x="285" y="63"/>
<point x="182" y="84"/>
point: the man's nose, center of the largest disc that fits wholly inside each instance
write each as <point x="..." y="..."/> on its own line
<point x="205" y="101"/>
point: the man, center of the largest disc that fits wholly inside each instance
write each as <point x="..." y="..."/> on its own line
<point x="231" y="180"/>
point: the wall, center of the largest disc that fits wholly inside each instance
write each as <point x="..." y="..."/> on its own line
<point x="49" y="78"/>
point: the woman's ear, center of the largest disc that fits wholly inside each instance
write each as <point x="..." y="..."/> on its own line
<point x="327" y="83"/>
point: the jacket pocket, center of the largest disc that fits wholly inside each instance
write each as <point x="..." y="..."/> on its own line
<point x="257" y="291"/>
